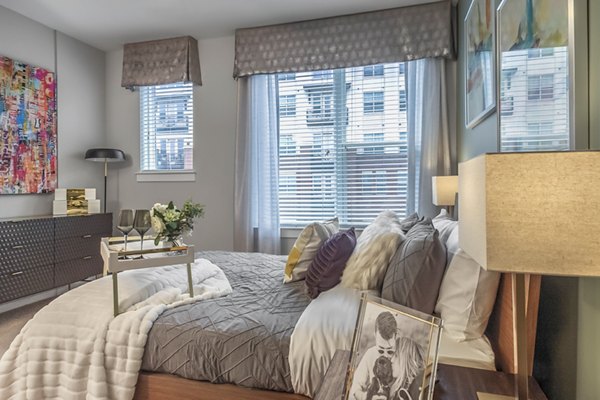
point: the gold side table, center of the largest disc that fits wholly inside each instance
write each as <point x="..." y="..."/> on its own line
<point x="117" y="260"/>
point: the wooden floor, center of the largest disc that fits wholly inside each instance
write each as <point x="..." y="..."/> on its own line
<point x="152" y="386"/>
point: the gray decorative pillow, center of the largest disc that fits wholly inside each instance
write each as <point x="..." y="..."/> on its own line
<point x="407" y="223"/>
<point x="327" y="267"/>
<point x="415" y="272"/>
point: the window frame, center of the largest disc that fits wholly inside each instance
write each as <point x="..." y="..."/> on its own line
<point x="166" y="124"/>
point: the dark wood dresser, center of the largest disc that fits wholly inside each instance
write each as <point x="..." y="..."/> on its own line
<point x="41" y="253"/>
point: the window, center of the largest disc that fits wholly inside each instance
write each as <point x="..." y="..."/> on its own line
<point x="287" y="105"/>
<point x="166" y="127"/>
<point x="345" y="163"/>
<point x="319" y="75"/>
<point x="287" y="183"/>
<point x="373" y="70"/>
<point x="374" y="183"/>
<point x="370" y="138"/>
<point x="507" y="102"/>
<point x="534" y="100"/>
<point x="543" y="52"/>
<point x="540" y="87"/>
<point x="320" y="104"/>
<point x="402" y="100"/>
<point x="289" y="76"/>
<point x="373" y="102"/>
<point x="286" y="145"/>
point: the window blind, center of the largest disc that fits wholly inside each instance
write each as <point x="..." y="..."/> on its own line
<point x="344" y="150"/>
<point x="166" y="127"/>
<point x="534" y="100"/>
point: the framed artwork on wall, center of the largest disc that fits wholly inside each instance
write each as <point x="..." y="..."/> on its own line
<point x="535" y="73"/>
<point x="27" y="128"/>
<point x="394" y="352"/>
<point x="480" y="64"/>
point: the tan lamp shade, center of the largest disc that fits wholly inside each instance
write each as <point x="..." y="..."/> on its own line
<point x="444" y="189"/>
<point x="533" y="213"/>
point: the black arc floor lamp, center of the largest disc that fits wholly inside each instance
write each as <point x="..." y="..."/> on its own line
<point x="105" y="156"/>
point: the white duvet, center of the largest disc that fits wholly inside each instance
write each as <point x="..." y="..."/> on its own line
<point x="74" y="348"/>
<point x="328" y="324"/>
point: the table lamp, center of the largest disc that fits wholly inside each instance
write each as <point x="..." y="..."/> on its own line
<point x="105" y="156"/>
<point x="531" y="213"/>
<point x="444" y="190"/>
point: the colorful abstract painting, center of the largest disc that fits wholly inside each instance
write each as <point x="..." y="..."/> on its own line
<point x="27" y="128"/>
<point x="528" y="24"/>
<point x="479" y="36"/>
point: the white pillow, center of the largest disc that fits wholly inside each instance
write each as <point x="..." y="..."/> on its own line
<point x="445" y="225"/>
<point x="306" y="247"/>
<point x="467" y="293"/>
<point x="375" y="247"/>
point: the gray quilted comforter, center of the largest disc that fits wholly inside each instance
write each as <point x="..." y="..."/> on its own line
<point x="243" y="338"/>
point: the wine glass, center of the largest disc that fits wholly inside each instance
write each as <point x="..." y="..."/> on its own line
<point x="142" y="223"/>
<point x="125" y="224"/>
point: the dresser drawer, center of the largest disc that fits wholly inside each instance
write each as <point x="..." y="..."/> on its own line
<point x="17" y="282"/>
<point x="26" y="244"/>
<point x="76" y="270"/>
<point x="20" y="233"/>
<point x="77" y="247"/>
<point x="84" y="225"/>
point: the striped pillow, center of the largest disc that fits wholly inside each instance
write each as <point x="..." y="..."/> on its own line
<point x="327" y="267"/>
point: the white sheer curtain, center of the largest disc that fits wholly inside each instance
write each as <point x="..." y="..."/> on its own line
<point x="429" y="143"/>
<point x="256" y="215"/>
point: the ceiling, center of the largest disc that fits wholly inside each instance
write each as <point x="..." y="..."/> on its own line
<point x="108" y="24"/>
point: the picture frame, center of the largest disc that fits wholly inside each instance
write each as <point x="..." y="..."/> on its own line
<point x="28" y="109"/>
<point x="394" y="353"/>
<point x="480" y="62"/>
<point x="535" y="58"/>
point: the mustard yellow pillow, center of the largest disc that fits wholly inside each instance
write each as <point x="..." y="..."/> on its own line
<point x="306" y="247"/>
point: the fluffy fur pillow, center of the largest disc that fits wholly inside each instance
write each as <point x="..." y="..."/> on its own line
<point x="374" y="248"/>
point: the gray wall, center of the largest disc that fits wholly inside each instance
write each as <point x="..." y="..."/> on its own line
<point x="588" y="384"/>
<point x="557" y="350"/>
<point x="80" y="95"/>
<point x="214" y="146"/>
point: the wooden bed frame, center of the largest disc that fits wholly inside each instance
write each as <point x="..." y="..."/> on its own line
<point x="500" y="331"/>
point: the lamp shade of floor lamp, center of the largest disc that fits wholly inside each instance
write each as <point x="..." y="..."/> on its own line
<point x="105" y="156"/>
<point x="531" y="213"/>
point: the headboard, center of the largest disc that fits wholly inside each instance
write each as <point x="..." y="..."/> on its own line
<point x="500" y="328"/>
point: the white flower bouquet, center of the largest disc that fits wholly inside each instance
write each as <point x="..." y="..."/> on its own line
<point x="170" y="223"/>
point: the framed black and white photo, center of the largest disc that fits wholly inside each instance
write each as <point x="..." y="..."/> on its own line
<point x="394" y="353"/>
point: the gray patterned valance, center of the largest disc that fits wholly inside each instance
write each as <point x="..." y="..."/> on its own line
<point x="394" y="35"/>
<point x="159" y="62"/>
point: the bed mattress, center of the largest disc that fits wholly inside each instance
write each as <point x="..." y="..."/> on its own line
<point x="243" y="338"/>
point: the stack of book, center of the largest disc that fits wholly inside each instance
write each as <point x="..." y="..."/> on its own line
<point x="75" y="201"/>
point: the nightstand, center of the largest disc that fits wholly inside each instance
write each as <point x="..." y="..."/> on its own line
<point x="454" y="383"/>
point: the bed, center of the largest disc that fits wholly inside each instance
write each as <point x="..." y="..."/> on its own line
<point x="218" y="349"/>
<point x="246" y="334"/>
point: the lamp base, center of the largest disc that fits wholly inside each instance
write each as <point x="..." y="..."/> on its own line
<point x="491" y="396"/>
